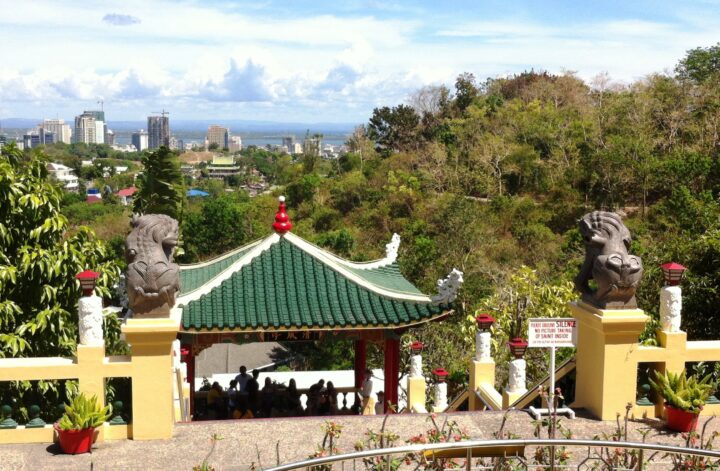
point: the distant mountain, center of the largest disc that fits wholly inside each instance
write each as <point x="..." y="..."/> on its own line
<point x="235" y="125"/>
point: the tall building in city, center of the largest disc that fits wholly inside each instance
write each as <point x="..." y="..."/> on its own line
<point x="158" y="131"/>
<point x="37" y="137"/>
<point x="85" y="129"/>
<point x="62" y="130"/>
<point x="235" y="144"/>
<point x="140" y="140"/>
<point x="218" y="135"/>
<point x="289" y="143"/>
<point x="100" y="125"/>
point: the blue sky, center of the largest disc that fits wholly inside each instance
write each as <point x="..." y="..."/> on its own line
<point x="316" y="61"/>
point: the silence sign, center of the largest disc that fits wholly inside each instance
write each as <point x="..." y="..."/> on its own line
<point x="550" y="332"/>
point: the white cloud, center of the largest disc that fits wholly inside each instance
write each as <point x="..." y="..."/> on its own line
<point x="118" y="19"/>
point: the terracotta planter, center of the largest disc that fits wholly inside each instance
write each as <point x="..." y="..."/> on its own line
<point x="74" y="442"/>
<point x="680" y="420"/>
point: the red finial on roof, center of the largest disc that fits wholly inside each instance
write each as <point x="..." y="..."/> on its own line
<point x="282" y="222"/>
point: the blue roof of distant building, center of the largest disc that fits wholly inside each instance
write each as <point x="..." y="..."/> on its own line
<point x="195" y="192"/>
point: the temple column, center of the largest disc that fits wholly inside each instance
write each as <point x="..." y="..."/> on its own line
<point x="392" y="371"/>
<point x="190" y="362"/>
<point x="360" y="365"/>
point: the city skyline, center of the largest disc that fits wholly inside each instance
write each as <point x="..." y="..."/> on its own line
<point x="316" y="61"/>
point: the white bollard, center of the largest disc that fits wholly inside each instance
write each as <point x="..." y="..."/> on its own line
<point x="441" y="402"/>
<point x="670" y="308"/>
<point x="90" y="322"/>
<point x="516" y="379"/>
<point x="482" y="346"/>
<point x="416" y="366"/>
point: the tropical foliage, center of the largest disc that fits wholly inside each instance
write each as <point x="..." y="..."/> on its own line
<point x="84" y="413"/>
<point x="681" y="392"/>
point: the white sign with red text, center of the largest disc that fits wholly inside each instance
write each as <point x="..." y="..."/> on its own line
<point x="550" y="332"/>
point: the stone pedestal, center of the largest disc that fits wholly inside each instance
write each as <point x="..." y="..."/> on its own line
<point x="151" y="343"/>
<point x="416" y="386"/>
<point x="441" y="403"/>
<point x="482" y="368"/>
<point x="606" y="374"/>
<point x="516" y="382"/>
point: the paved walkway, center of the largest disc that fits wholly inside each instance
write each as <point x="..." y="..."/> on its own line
<point x="259" y="441"/>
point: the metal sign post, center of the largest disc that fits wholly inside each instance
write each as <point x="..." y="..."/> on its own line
<point x="552" y="333"/>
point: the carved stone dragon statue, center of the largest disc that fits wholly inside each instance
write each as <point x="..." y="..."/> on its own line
<point x="152" y="277"/>
<point x="607" y="261"/>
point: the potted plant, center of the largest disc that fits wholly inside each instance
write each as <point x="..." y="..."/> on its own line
<point x="684" y="398"/>
<point x="76" y="427"/>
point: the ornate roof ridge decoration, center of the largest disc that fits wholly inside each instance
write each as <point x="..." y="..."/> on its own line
<point x="448" y="287"/>
<point x="391" y="255"/>
<point x="282" y="224"/>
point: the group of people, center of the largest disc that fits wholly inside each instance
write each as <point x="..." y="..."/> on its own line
<point x="244" y="399"/>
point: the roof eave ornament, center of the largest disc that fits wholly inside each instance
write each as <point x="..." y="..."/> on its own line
<point x="392" y="248"/>
<point x="282" y="222"/>
<point x="448" y="287"/>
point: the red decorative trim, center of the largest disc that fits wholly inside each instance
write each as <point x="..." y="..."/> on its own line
<point x="282" y="222"/>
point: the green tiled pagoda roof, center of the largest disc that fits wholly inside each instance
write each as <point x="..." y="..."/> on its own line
<point x="285" y="287"/>
<point x="194" y="276"/>
<point x="389" y="277"/>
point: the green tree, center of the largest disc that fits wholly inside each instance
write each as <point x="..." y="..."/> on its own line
<point x="160" y="186"/>
<point x="394" y="129"/>
<point x="38" y="262"/>
<point x="700" y="64"/>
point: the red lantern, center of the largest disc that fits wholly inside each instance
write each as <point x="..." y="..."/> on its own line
<point x="440" y="374"/>
<point x="484" y="322"/>
<point x="87" y="281"/>
<point x="416" y="347"/>
<point x="517" y="347"/>
<point x="673" y="273"/>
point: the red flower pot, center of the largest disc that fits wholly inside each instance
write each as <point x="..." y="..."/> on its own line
<point x="74" y="442"/>
<point x="680" y="420"/>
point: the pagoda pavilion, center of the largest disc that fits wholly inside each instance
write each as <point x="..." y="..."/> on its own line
<point x="284" y="288"/>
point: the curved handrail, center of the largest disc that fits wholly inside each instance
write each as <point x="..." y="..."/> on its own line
<point x="494" y="443"/>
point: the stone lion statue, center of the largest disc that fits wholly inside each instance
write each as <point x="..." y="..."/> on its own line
<point x="152" y="278"/>
<point x="607" y="261"/>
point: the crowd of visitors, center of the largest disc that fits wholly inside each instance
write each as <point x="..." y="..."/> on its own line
<point x="244" y="399"/>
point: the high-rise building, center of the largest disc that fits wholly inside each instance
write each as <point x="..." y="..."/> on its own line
<point x="235" y="144"/>
<point x="100" y="125"/>
<point x="218" y="135"/>
<point x="37" y="137"/>
<point x="289" y="143"/>
<point x="140" y="140"/>
<point x="158" y="131"/>
<point x="62" y="130"/>
<point x="86" y="129"/>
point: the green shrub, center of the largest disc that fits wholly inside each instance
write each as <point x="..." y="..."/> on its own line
<point x="84" y="413"/>
<point x="681" y="392"/>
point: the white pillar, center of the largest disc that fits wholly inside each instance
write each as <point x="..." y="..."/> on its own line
<point x="441" y="403"/>
<point x="670" y="308"/>
<point x="90" y="322"/>
<point x="416" y="366"/>
<point x="516" y="379"/>
<point x="482" y="346"/>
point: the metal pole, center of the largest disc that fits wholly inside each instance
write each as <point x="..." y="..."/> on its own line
<point x="551" y="395"/>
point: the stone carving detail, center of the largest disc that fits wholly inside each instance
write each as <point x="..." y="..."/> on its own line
<point x="482" y="346"/>
<point x="448" y="287"/>
<point x="90" y="322"/>
<point x="152" y="278"/>
<point x="516" y="379"/>
<point x="415" y="365"/>
<point x="607" y="261"/>
<point x="670" y="308"/>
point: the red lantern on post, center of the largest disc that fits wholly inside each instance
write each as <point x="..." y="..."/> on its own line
<point x="87" y="280"/>
<point x="673" y="273"/>
<point x="416" y="347"/>
<point x="517" y="347"/>
<point x="440" y="374"/>
<point x="484" y="322"/>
